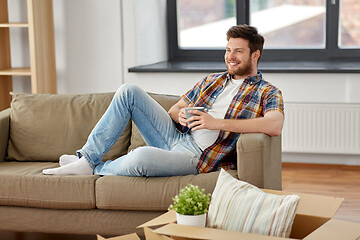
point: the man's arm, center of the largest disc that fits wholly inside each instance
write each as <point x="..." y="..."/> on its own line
<point x="177" y="112"/>
<point x="271" y="123"/>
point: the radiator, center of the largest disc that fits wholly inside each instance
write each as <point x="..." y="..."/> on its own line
<point x="321" y="128"/>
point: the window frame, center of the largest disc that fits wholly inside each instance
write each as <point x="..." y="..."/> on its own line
<point x="331" y="52"/>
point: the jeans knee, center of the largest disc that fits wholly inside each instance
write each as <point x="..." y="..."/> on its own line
<point x="138" y="156"/>
<point x="135" y="164"/>
<point x="128" y="88"/>
<point x="128" y="93"/>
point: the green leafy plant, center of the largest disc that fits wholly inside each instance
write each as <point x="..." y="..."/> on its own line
<point x="191" y="201"/>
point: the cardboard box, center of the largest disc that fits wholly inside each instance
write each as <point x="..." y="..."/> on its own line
<point x="313" y="221"/>
<point x="132" y="236"/>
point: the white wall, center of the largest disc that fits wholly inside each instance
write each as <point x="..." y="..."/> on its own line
<point x="97" y="41"/>
<point x="88" y="45"/>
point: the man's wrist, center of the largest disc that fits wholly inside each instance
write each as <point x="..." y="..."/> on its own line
<point x="174" y="116"/>
<point x="220" y="124"/>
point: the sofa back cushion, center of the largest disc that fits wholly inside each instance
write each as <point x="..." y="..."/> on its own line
<point x="166" y="101"/>
<point x="45" y="126"/>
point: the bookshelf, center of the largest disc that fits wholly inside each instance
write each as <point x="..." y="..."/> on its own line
<point x="42" y="69"/>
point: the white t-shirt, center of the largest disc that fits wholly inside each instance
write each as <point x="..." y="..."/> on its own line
<point x="204" y="137"/>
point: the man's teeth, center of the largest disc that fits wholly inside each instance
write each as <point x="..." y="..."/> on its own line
<point x="233" y="64"/>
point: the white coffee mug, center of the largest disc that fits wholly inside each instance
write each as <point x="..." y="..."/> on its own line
<point x="189" y="115"/>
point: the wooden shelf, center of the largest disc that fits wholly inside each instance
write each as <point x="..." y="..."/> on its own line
<point x="10" y="25"/>
<point x="40" y="28"/>
<point x="16" y="72"/>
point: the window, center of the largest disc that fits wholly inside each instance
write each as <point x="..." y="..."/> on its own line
<point x="198" y="20"/>
<point x="294" y="30"/>
<point x="349" y="36"/>
<point x="290" y="24"/>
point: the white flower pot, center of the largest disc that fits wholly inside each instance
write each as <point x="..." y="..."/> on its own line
<point x="192" y="220"/>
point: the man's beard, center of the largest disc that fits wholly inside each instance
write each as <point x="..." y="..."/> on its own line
<point x="243" y="70"/>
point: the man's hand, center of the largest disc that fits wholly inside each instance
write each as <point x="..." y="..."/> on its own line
<point x="202" y="120"/>
<point x="271" y="123"/>
<point x="182" y="116"/>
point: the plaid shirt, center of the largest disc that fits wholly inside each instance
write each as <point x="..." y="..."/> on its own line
<point x="254" y="98"/>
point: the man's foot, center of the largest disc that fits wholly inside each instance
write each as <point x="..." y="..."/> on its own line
<point x="66" y="159"/>
<point x="79" y="167"/>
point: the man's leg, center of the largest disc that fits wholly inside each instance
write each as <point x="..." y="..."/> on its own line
<point x="155" y="162"/>
<point x="154" y="123"/>
<point x="130" y="101"/>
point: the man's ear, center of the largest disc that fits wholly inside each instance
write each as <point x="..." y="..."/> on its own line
<point x="256" y="55"/>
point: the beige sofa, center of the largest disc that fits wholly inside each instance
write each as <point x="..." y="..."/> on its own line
<point x="39" y="128"/>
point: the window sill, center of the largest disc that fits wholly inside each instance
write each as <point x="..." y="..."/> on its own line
<point x="270" y="67"/>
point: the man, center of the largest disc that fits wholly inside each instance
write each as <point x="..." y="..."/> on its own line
<point x="237" y="101"/>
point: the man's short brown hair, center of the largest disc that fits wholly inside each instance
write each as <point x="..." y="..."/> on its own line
<point x="256" y="41"/>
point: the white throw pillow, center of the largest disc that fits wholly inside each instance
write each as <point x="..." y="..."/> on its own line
<point x="242" y="207"/>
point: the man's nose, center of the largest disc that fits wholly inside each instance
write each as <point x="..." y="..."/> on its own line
<point x="230" y="54"/>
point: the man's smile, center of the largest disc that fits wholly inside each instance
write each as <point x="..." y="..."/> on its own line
<point x="233" y="63"/>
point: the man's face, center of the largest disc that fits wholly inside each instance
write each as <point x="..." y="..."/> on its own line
<point x="238" y="59"/>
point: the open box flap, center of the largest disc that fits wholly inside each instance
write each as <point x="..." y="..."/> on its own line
<point x="191" y="232"/>
<point x="168" y="217"/>
<point x="132" y="236"/>
<point x="150" y="235"/>
<point x="335" y="230"/>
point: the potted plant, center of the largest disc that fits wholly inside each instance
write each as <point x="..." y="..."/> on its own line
<point x="191" y="206"/>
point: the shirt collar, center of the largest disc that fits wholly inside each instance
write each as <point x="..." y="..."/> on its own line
<point x="254" y="79"/>
<point x="251" y="80"/>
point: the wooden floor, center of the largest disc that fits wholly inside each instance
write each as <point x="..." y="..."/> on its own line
<point x="329" y="180"/>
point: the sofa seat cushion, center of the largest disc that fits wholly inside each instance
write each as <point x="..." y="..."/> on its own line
<point x="45" y="126"/>
<point x="149" y="194"/>
<point x="23" y="184"/>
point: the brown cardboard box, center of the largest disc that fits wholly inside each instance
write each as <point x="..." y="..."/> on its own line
<point x="132" y="236"/>
<point x="312" y="222"/>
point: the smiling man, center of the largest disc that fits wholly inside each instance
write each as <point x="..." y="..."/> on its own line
<point x="236" y="101"/>
<point x="239" y="100"/>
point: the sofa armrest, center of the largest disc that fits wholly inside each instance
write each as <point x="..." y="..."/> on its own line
<point x="4" y="132"/>
<point x="259" y="160"/>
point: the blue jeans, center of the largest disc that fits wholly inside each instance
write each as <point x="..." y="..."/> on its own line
<point x="169" y="152"/>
